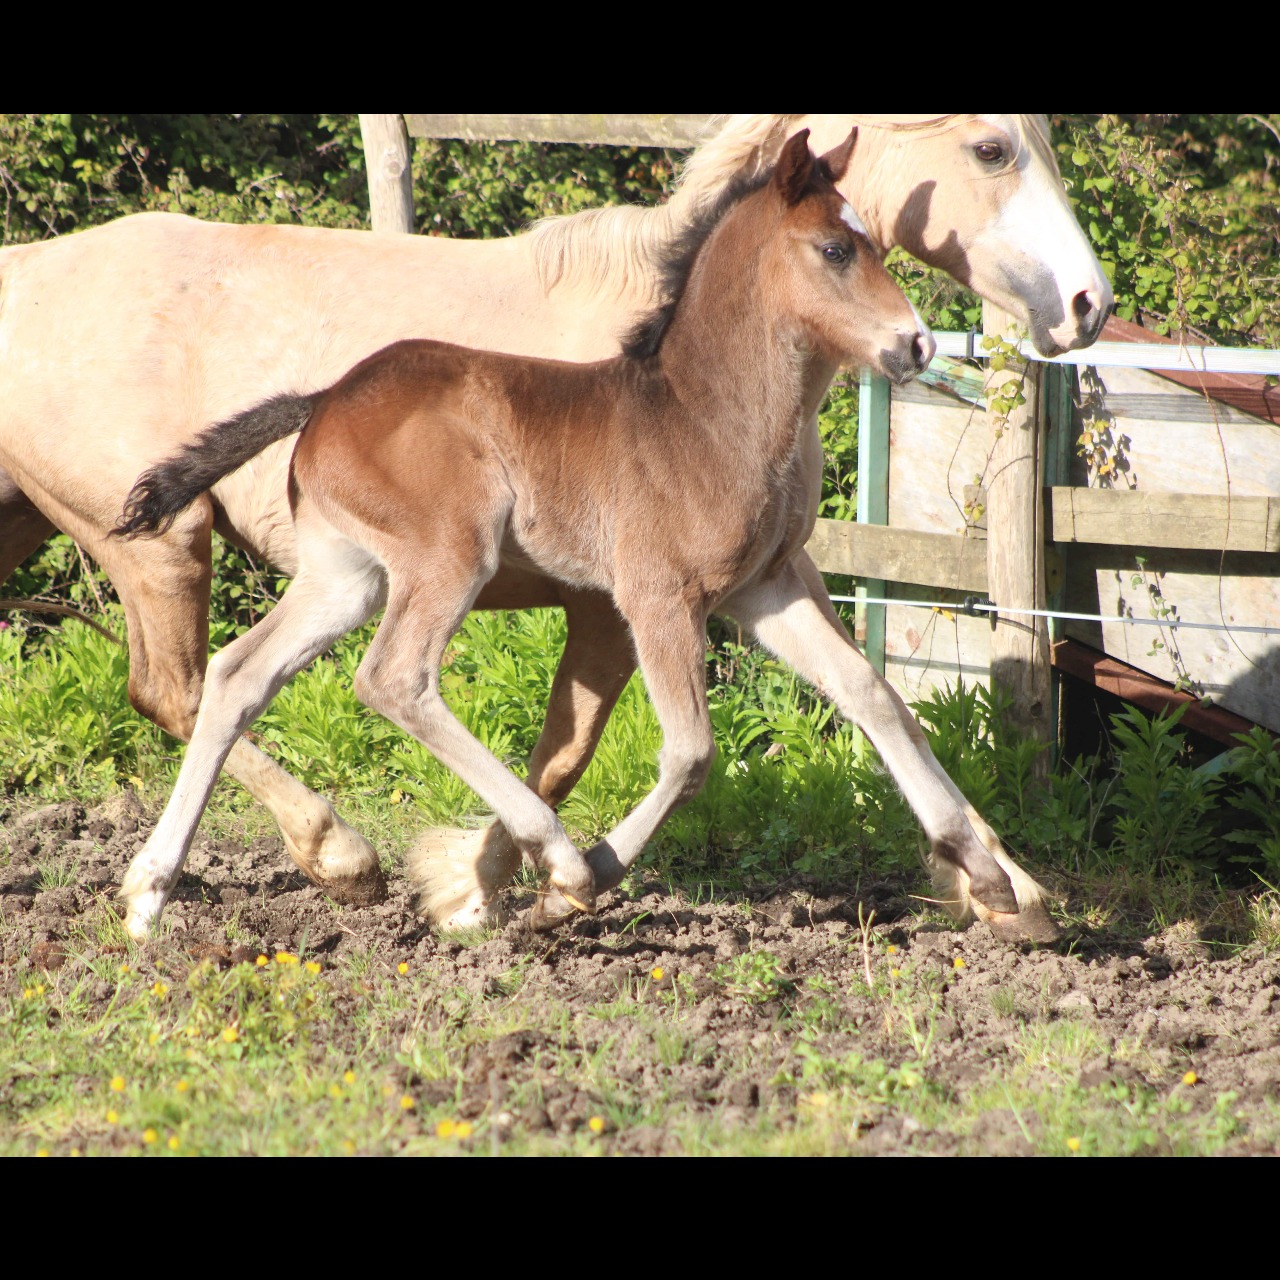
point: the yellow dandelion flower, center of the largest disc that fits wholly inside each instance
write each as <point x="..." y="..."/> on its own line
<point x="349" y="1076"/>
<point x="349" y="1147"/>
<point x="895" y="973"/>
<point x="39" y="988"/>
<point x="1190" y="1078"/>
<point x="407" y="1103"/>
<point x="957" y="963"/>
<point x="313" y="966"/>
<point x="1073" y="1144"/>
<point x="75" y="1151"/>
<point x="286" y="957"/>
<point x="153" y="1039"/>
<point x="445" y="1129"/>
<point x="27" y="993"/>
<point x="657" y="973"/>
<point x="113" y="1117"/>
<point x="596" y="1124"/>
<point x="117" y="1084"/>
<point x="161" y="989"/>
<point x="261" y="960"/>
<point x="402" y="967"/>
<point x="182" y="1086"/>
<point x="893" y="951"/>
<point x="191" y="1030"/>
<point x="174" y="1142"/>
<point x="124" y="968"/>
<point x="230" y="1034"/>
<point x="149" y="1136"/>
<point x="463" y="1130"/>
<point x="44" y="1151"/>
<point x="335" y="1091"/>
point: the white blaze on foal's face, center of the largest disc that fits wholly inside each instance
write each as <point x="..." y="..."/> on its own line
<point x="851" y="220"/>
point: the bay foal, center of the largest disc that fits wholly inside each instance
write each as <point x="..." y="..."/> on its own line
<point x="679" y="478"/>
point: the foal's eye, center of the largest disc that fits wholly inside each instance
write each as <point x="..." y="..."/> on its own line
<point x="989" y="152"/>
<point x="835" y="253"/>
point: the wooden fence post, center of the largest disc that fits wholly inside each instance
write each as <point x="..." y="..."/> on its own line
<point x="387" y="161"/>
<point x="1015" y="549"/>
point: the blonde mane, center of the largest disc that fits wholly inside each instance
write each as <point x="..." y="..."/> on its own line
<point x="614" y="249"/>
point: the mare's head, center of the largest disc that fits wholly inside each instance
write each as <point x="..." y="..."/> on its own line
<point x="981" y="197"/>
<point x="823" y="272"/>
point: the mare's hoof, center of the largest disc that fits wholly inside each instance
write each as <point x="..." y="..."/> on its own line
<point x="1032" y="924"/>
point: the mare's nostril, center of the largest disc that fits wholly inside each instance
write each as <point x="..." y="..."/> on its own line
<point x="1082" y="304"/>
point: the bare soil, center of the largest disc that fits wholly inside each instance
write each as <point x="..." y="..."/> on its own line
<point x="1156" y="1006"/>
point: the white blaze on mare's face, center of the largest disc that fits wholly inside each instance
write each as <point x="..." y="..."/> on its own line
<point x="851" y="220"/>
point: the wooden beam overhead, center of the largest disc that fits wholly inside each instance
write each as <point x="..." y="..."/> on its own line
<point x="616" y="130"/>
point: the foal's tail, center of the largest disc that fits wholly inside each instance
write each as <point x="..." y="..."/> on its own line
<point x="166" y="489"/>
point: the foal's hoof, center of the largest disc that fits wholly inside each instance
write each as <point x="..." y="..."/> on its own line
<point x="1032" y="924"/>
<point x="364" y="889"/>
<point x="555" y="905"/>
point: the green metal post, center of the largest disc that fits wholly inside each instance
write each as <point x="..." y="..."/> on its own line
<point x="873" y="503"/>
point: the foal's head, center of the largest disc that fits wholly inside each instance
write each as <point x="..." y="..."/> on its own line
<point x="825" y="275"/>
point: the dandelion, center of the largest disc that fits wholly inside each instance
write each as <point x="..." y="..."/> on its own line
<point x="957" y="963"/>
<point x="348" y="1146"/>
<point x="113" y="1117"/>
<point x="407" y="1103"/>
<point x="349" y="1076"/>
<point x="657" y="974"/>
<point x="402" y="967"/>
<point x="44" y="1151"/>
<point x="1073" y="1144"/>
<point x="149" y="1136"/>
<point x="261" y="960"/>
<point x="160" y="990"/>
<point x="75" y="1151"/>
<point x="286" y="958"/>
<point x="230" y="1034"/>
<point x="39" y="988"/>
<point x="27" y="993"/>
<point x="893" y="951"/>
<point x="463" y="1130"/>
<point x="445" y="1129"/>
<point x="182" y="1086"/>
<point x="596" y="1124"/>
<point x="153" y="1039"/>
<point x="313" y="966"/>
<point x="1190" y="1078"/>
<point x="117" y="1084"/>
<point x="895" y="973"/>
<point x="124" y="968"/>
<point x="335" y="1091"/>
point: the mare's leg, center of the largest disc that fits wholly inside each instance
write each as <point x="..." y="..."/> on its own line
<point x="164" y="586"/>
<point x="597" y="662"/>
<point x="23" y="526"/>
<point x="399" y="678"/>
<point x="670" y="641"/>
<point x="337" y="589"/>
<point x="791" y="615"/>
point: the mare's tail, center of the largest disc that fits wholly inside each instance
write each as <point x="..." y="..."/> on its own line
<point x="167" y="488"/>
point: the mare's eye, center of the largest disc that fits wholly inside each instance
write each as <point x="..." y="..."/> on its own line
<point x="989" y="152"/>
<point x="836" y="253"/>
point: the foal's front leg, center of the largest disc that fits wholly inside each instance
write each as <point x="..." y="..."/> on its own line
<point x="791" y="614"/>
<point x="670" y="643"/>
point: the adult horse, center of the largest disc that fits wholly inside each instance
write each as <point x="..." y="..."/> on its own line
<point x="117" y="345"/>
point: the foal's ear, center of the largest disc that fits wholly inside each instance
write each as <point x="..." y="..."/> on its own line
<point x="794" y="168"/>
<point x="836" y="161"/>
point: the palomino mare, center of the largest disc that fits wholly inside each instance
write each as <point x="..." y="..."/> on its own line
<point x="675" y="479"/>
<point x="117" y="345"/>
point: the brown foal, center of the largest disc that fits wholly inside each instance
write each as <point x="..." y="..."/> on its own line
<point x="679" y="478"/>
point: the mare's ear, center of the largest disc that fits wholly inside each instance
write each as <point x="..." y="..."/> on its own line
<point x="836" y="161"/>
<point x="795" y="167"/>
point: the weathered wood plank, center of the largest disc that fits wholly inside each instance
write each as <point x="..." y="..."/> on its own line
<point x="388" y="164"/>
<point x="1187" y="521"/>
<point x="617" y="130"/>
<point x="899" y="555"/>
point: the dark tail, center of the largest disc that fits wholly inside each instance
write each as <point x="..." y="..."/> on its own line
<point x="166" y="489"/>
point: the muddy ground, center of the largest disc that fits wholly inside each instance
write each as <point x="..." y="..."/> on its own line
<point x="1158" y="1006"/>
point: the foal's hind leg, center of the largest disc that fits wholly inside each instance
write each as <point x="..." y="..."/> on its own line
<point x="23" y="527"/>
<point x="462" y="871"/>
<point x="791" y="614"/>
<point x="332" y="594"/>
<point x="164" y="586"/>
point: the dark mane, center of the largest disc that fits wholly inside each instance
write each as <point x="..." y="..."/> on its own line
<point x="645" y="336"/>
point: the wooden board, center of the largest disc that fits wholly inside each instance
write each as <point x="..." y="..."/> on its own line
<point x="617" y="130"/>
<point x="1134" y="517"/>
<point x="899" y="555"/>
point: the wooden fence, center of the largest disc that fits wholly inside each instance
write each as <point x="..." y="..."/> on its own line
<point x="1024" y="551"/>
